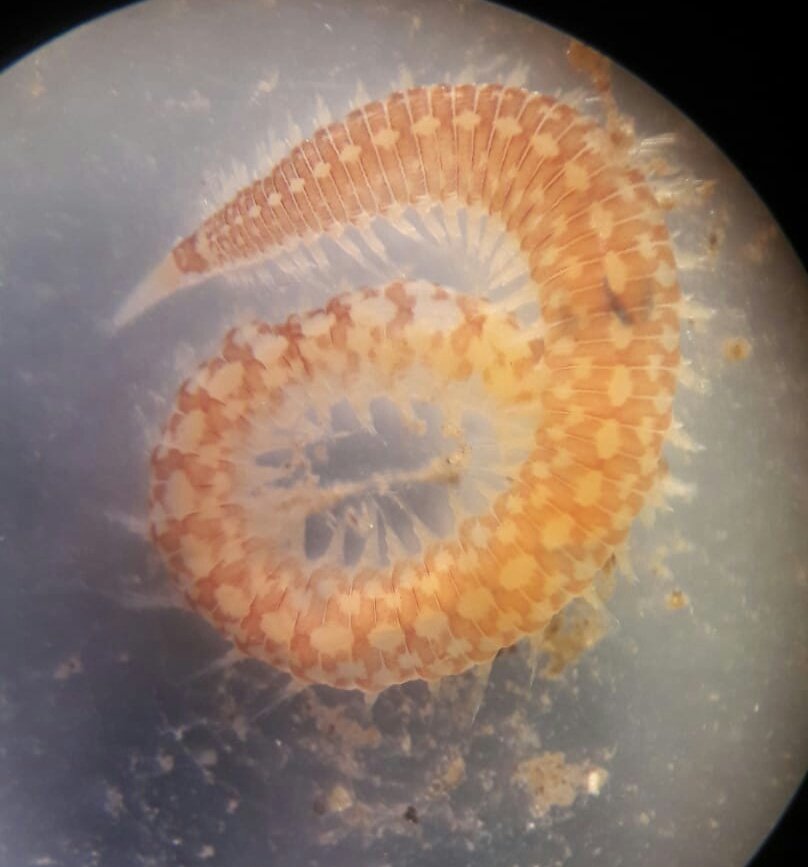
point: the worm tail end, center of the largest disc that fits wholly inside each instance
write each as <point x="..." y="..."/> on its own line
<point x="165" y="279"/>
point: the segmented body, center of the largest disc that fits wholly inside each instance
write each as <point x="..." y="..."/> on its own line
<point x="598" y="379"/>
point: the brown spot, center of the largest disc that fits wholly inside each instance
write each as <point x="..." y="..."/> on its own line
<point x="676" y="600"/>
<point x="591" y="63"/>
<point x="736" y="349"/>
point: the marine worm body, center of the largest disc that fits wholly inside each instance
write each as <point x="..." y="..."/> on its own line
<point x="581" y="403"/>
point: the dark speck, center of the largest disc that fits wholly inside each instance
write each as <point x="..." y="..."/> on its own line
<point x="616" y="304"/>
<point x="411" y="815"/>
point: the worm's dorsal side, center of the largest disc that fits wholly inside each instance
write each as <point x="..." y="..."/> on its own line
<point x="593" y="389"/>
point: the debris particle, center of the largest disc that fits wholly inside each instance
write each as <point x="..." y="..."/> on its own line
<point x="114" y="801"/>
<point x="339" y="799"/>
<point x="737" y="349"/>
<point x="411" y="815"/>
<point x="70" y="667"/>
<point x="207" y="758"/>
<point x="551" y="781"/>
<point x="676" y="600"/>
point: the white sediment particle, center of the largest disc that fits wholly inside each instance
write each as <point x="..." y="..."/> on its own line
<point x="267" y="85"/>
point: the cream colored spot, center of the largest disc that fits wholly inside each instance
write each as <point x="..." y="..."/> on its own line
<point x="479" y="536"/>
<point x="646" y="431"/>
<point x="426" y="125"/>
<point x="601" y="220"/>
<point x="509" y="621"/>
<point x="321" y="170"/>
<point x="374" y="589"/>
<point x="662" y="402"/>
<point x="515" y="504"/>
<point x="232" y="601"/>
<point x="297" y="185"/>
<point x="189" y="431"/>
<point x="544" y="144"/>
<point x="467" y="561"/>
<point x="517" y="572"/>
<point x="670" y="339"/>
<point x="622" y="519"/>
<point x="627" y="190"/>
<point x="386" y="138"/>
<point x="467" y="120"/>
<point x="589" y="488"/>
<point x="349" y="603"/>
<point x="318" y="325"/>
<point x="564" y="346"/>
<point x="487" y="644"/>
<point x="408" y="662"/>
<point x="645" y="246"/>
<point x="562" y="392"/>
<point x="274" y="199"/>
<point x="352" y="670"/>
<point x="278" y="626"/>
<point x="475" y="604"/>
<point x="507" y="532"/>
<point x="276" y="375"/>
<point x="576" y="177"/>
<point x="665" y="275"/>
<point x="607" y="439"/>
<point x="350" y="153"/>
<point x="226" y="380"/>
<point x="407" y="578"/>
<point x="458" y="647"/>
<point x="430" y="583"/>
<point x="385" y="638"/>
<point x="180" y="497"/>
<point x="556" y="532"/>
<point x="443" y="560"/>
<point x="540" y="612"/>
<point x="620" y="385"/>
<point x="549" y="255"/>
<point x="269" y="348"/>
<point x="581" y="371"/>
<point x="616" y="272"/>
<point x="537" y="197"/>
<point x="431" y="624"/>
<point x="197" y="554"/>
<point x="331" y="638"/>
<point x="620" y="334"/>
<point x="507" y="126"/>
<point x="372" y="312"/>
